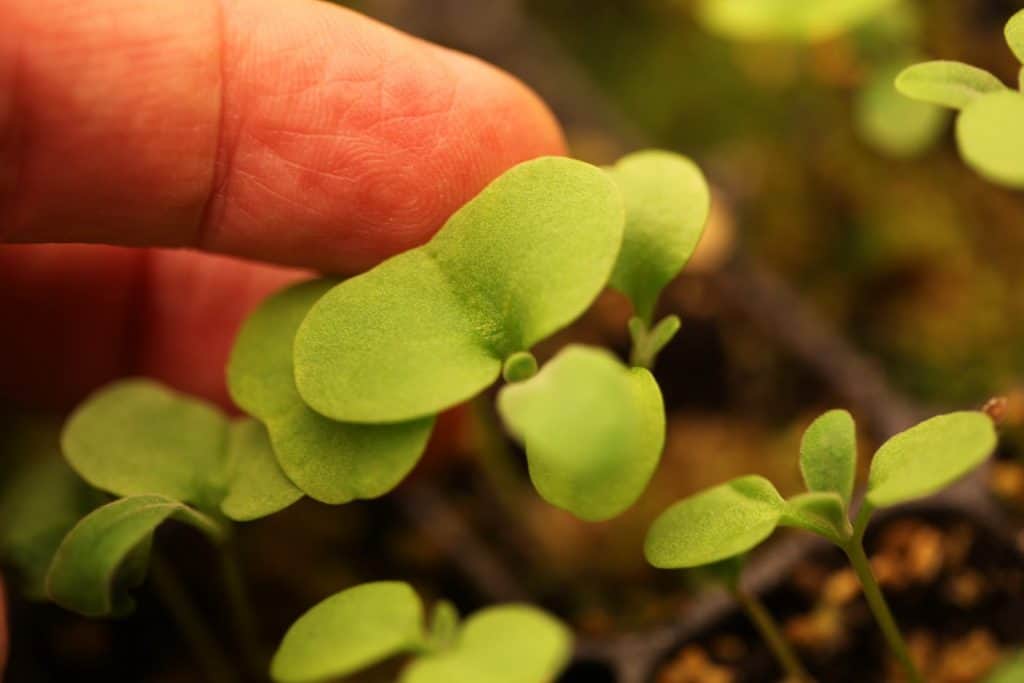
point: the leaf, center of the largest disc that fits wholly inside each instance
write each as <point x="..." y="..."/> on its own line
<point x="505" y="644"/>
<point x="136" y="437"/>
<point x="431" y="327"/>
<point x="719" y="523"/>
<point x="444" y="625"/>
<point x="948" y="84"/>
<point x="1015" y="35"/>
<point x="793" y="20"/>
<point x="667" y="204"/>
<point x="928" y="457"/>
<point x="593" y="429"/>
<point x="1010" y="670"/>
<point x="256" y="486"/>
<point x="350" y="631"/>
<point x="893" y="124"/>
<point x="820" y="512"/>
<point x="107" y="551"/>
<point x="40" y="503"/>
<point x="333" y="462"/>
<point x="828" y="454"/>
<point x="990" y="134"/>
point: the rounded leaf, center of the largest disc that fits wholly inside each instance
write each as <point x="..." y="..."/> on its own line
<point x="948" y="84"/>
<point x="667" y="204"/>
<point x="256" y="486"/>
<point x="350" y="631"/>
<point x="893" y="124"/>
<point x="107" y="553"/>
<point x="505" y="644"/>
<point x="431" y="327"/>
<point x="593" y="430"/>
<point x="928" y="457"/>
<point x="714" y="525"/>
<point x="795" y="20"/>
<point x="1015" y="35"/>
<point x="990" y="134"/>
<point x="333" y="462"/>
<point x="828" y="454"/>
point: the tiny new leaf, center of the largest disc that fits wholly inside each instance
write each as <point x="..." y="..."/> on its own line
<point x="593" y="430"/>
<point x="929" y="456"/>
<point x="828" y="454"/>
<point x="667" y="203"/>
<point x="503" y="644"/>
<point x="432" y="327"/>
<point x="990" y="134"/>
<point x="948" y="84"/>
<point x="333" y="462"/>
<point x="136" y="437"/>
<point x="349" y="631"/>
<point x="106" y="553"/>
<point x="823" y="513"/>
<point x="716" y="524"/>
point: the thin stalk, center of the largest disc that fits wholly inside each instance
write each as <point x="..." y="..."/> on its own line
<point x="876" y="601"/>
<point x="772" y="635"/>
<point x="208" y="653"/>
<point x="242" y="620"/>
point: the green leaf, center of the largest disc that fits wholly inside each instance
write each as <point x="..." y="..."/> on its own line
<point x="505" y="644"/>
<point x="593" y="429"/>
<point x="990" y="133"/>
<point x="893" y="124"/>
<point x="820" y="512"/>
<point x="667" y="203"/>
<point x="106" y="553"/>
<point x="947" y="84"/>
<point x="1015" y="35"/>
<point x="724" y="521"/>
<point x="350" y="631"/>
<point x="828" y="454"/>
<point x="136" y="437"/>
<point x="40" y="503"/>
<point x="928" y="457"/>
<point x="792" y="20"/>
<point x="333" y="462"/>
<point x="256" y="486"/>
<point x="1011" y="670"/>
<point x="444" y="625"/>
<point x="431" y="327"/>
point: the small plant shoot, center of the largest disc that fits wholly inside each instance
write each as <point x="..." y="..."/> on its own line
<point x="733" y="518"/>
<point x="363" y="626"/>
<point x="989" y="128"/>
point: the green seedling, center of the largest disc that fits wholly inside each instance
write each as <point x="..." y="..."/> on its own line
<point x="374" y="622"/>
<point x="732" y="518"/>
<point x="790" y="20"/>
<point x="990" y="123"/>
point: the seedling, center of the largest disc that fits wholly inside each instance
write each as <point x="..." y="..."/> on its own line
<point x="989" y="128"/>
<point x="732" y="518"/>
<point x="366" y="625"/>
<point x="795" y="20"/>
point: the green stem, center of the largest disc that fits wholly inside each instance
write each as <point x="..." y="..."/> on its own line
<point x="772" y="634"/>
<point x="876" y="601"/>
<point x="242" y="619"/>
<point x="647" y="342"/>
<point x="208" y="654"/>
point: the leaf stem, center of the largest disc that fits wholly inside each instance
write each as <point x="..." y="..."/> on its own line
<point x="772" y="635"/>
<point x="208" y="653"/>
<point x="243" y="622"/>
<point x="879" y="607"/>
<point x="648" y="341"/>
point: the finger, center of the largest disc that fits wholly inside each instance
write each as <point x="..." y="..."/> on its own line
<point x="78" y="316"/>
<point x="293" y="132"/>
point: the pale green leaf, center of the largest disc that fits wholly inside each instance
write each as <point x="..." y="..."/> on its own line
<point x="947" y="84"/>
<point x="667" y="203"/>
<point x="792" y="20"/>
<point x="1010" y="670"/>
<point x="893" y="124"/>
<point x="820" y="512"/>
<point x="593" y="430"/>
<point x="107" y="551"/>
<point x="256" y="486"/>
<point x="349" y="631"/>
<point x="990" y="134"/>
<point x="333" y="462"/>
<point x="719" y="523"/>
<point x="1015" y="34"/>
<point x="431" y="327"/>
<point x="828" y="454"/>
<point x="928" y="457"/>
<point x="505" y="644"/>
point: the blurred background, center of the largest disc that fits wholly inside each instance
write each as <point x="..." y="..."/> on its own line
<point x="852" y="260"/>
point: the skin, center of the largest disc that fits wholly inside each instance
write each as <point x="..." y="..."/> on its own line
<point x="251" y="133"/>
